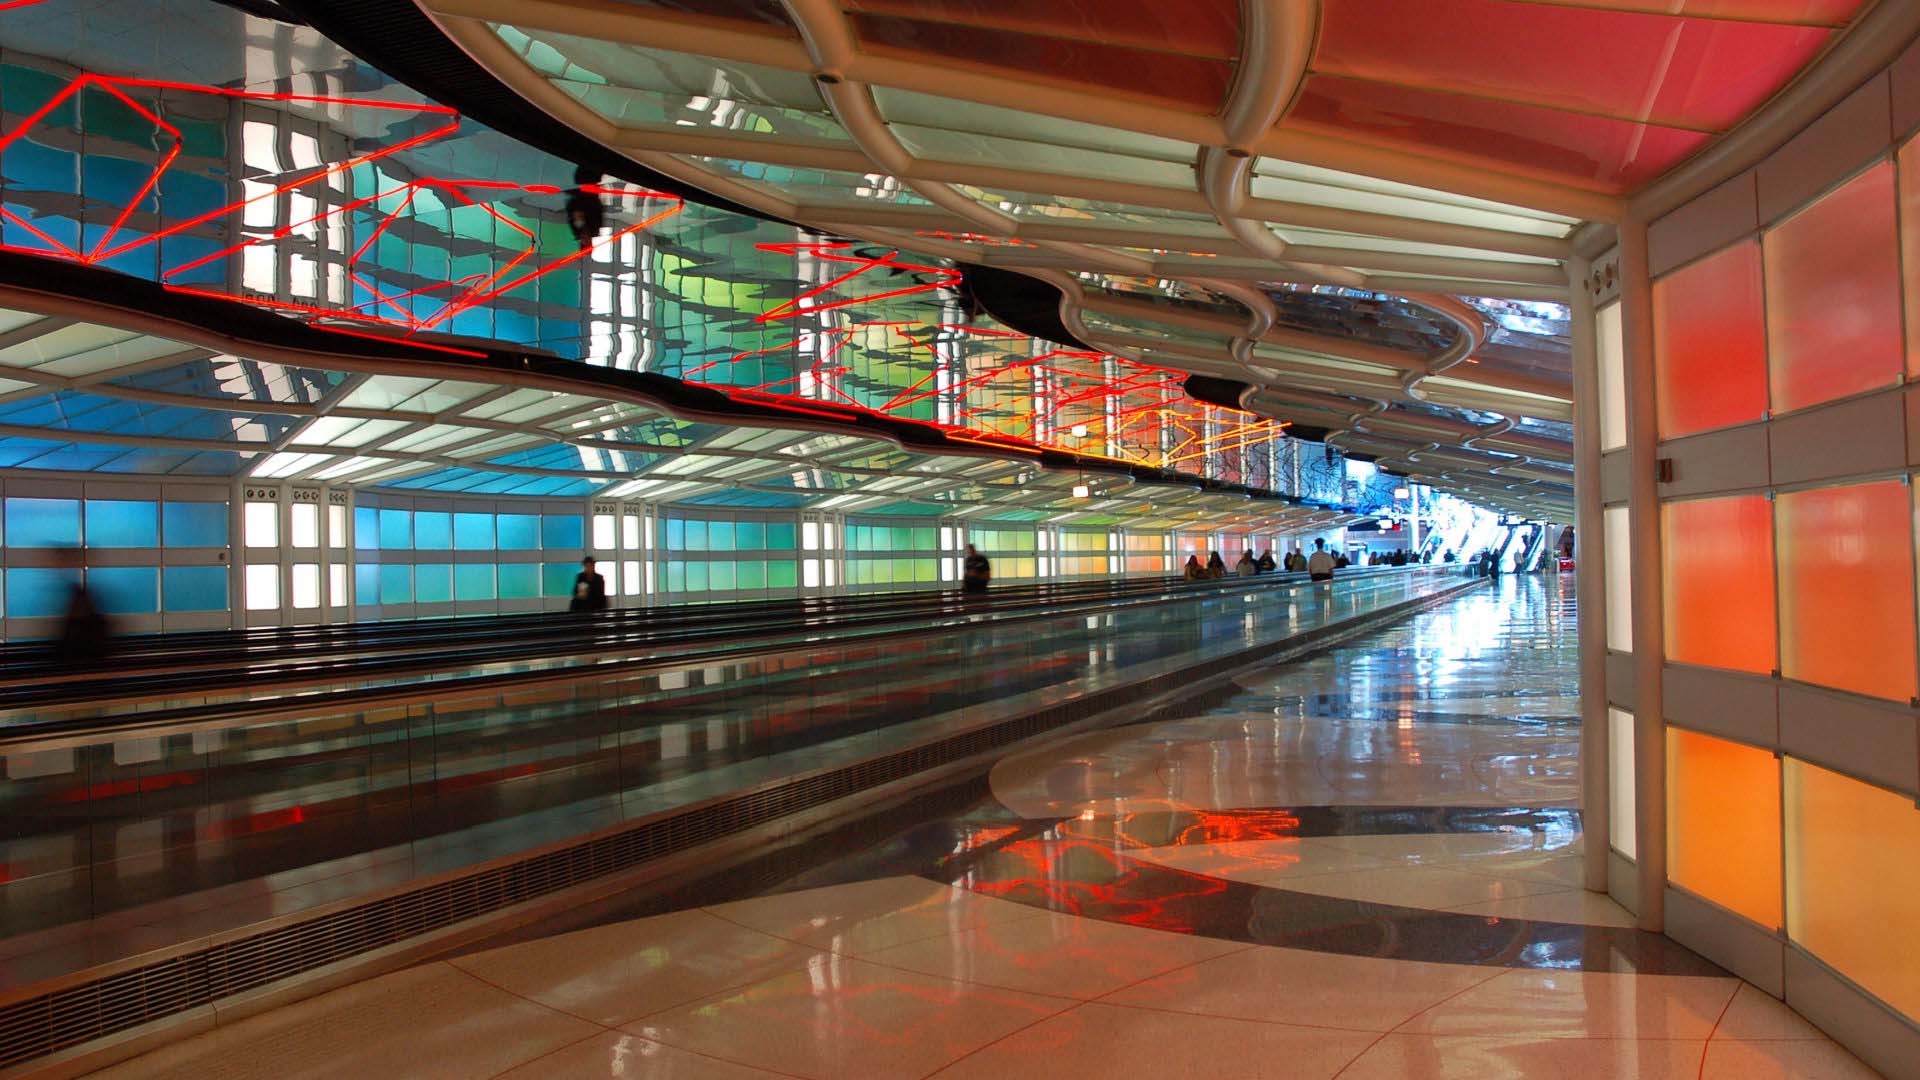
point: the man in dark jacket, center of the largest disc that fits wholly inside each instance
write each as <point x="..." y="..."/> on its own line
<point x="589" y="589"/>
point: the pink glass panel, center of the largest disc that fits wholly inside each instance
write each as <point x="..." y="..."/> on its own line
<point x="1718" y="564"/>
<point x="1812" y="12"/>
<point x="1672" y="72"/>
<point x="1591" y="151"/>
<point x="1201" y="28"/>
<point x="1710" y="343"/>
<point x="1846" y="587"/>
<point x="1833" y="295"/>
<point x="1191" y="82"/>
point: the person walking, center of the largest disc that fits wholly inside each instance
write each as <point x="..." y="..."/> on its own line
<point x="1216" y="566"/>
<point x="1320" y="564"/>
<point x="1193" y="571"/>
<point x="1246" y="567"/>
<point x="976" y="571"/>
<point x="589" y="589"/>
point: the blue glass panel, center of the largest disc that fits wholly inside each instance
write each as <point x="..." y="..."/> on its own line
<point x="556" y="578"/>
<point x="194" y="524"/>
<point x="396" y="584"/>
<point x="749" y="536"/>
<point x="676" y="535"/>
<point x="433" y="583"/>
<point x="720" y="536"/>
<point x="473" y="532"/>
<point x="366" y="528"/>
<point x="43" y="522"/>
<point x="473" y="581"/>
<point x="125" y="590"/>
<point x="563" y="532"/>
<point x="432" y="530"/>
<point x="519" y="532"/>
<point x="366" y="584"/>
<point x="34" y="593"/>
<point x="194" y="588"/>
<point x="396" y="530"/>
<point x="519" y="581"/>
<point x="113" y="523"/>
<point x="696" y="536"/>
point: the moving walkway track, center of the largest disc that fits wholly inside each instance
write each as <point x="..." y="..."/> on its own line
<point x="156" y="671"/>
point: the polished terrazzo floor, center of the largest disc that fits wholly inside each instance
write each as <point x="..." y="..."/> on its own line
<point x="1363" y="865"/>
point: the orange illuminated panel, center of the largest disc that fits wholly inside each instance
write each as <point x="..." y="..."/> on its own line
<point x="1710" y="343"/>
<point x="1846" y="587"/>
<point x="1717" y="557"/>
<point x="1723" y="824"/>
<point x="1833" y="295"/>
<point x="1853" y="884"/>
<point x="1909" y="162"/>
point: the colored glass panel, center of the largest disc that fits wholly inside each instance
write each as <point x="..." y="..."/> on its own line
<point x="34" y="592"/>
<point x="1710" y="343"/>
<point x="1717" y="557"/>
<point x="519" y="581"/>
<point x="473" y="532"/>
<point x="564" y="531"/>
<point x="125" y="590"/>
<point x="118" y="524"/>
<point x="194" y="588"/>
<point x="1833" y="295"/>
<point x="519" y="532"/>
<point x="1846" y="588"/>
<point x="1853" y="887"/>
<point x="433" y="583"/>
<point x="1723" y="823"/>
<point x="432" y="530"/>
<point x="1908" y="162"/>
<point x="43" y="522"/>
<point x="396" y="529"/>
<point x="194" y="524"/>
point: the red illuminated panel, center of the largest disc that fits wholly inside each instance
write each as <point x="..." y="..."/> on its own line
<point x="1195" y="83"/>
<point x="1673" y="72"/>
<point x="1909" y="169"/>
<point x="1717" y="557"/>
<point x="1723" y="823"/>
<point x="1591" y="151"/>
<point x="1201" y="28"/>
<point x="1833" y="295"/>
<point x="1846" y="588"/>
<point x="1809" y="12"/>
<point x="1710" y="343"/>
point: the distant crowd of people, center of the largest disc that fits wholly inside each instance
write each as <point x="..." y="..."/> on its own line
<point x="1319" y="566"/>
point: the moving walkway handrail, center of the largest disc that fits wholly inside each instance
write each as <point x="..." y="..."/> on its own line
<point x="35" y="736"/>
<point x="568" y="637"/>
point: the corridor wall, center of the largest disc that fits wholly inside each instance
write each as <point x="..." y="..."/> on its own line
<point x="1759" y="379"/>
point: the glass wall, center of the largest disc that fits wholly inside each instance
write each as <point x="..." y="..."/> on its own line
<point x="1013" y="549"/>
<point x="714" y="556"/>
<point x="892" y="553"/>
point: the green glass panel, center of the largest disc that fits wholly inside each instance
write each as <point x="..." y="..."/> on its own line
<point x="782" y="574"/>
<point x="519" y="581"/>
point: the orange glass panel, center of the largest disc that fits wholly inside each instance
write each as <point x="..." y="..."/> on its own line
<point x="1853" y="883"/>
<point x="1846" y="588"/>
<point x="1717" y="557"/>
<point x="1723" y="824"/>
<point x="1833" y="295"/>
<point x="1710" y="343"/>
<point x="1909" y="162"/>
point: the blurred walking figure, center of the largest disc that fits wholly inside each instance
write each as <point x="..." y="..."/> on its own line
<point x="1320" y="564"/>
<point x="589" y="589"/>
<point x="1246" y="567"/>
<point x="1216" y="566"/>
<point x="977" y="571"/>
<point x="1193" y="570"/>
<point x="1265" y="562"/>
<point x="86" y="637"/>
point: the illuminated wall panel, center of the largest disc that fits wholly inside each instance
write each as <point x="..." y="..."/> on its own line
<point x="1611" y="350"/>
<point x="1621" y="816"/>
<point x="1710" y="343"/>
<point x="1833" y="295"/>
<point x="1723" y="823"/>
<point x="1909" y="169"/>
<point x="1853" y="881"/>
<point x="1846" y="588"/>
<point x="1718" y="594"/>
<point x="1619" y="575"/>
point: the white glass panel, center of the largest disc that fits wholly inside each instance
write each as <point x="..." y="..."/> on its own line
<point x="306" y="525"/>
<point x="810" y="538"/>
<point x="810" y="573"/>
<point x="1613" y="377"/>
<point x="603" y="532"/>
<point x="630" y="576"/>
<point x="337" y="585"/>
<point x="336" y="526"/>
<point x="263" y="587"/>
<point x="1619" y="573"/>
<point x="1620" y="818"/>
<point x="263" y="526"/>
<point x="306" y="585"/>
<point x="630" y="531"/>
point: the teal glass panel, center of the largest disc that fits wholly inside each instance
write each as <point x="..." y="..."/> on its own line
<point x="366" y="529"/>
<point x="696" y="536"/>
<point x="194" y="588"/>
<point x="720" y="576"/>
<point x="519" y="581"/>
<point x="125" y="590"/>
<point x="366" y="584"/>
<point x="781" y="574"/>
<point x="43" y="523"/>
<point x="194" y="524"/>
<point x="519" y="532"/>
<point x="396" y="532"/>
<point x="117" y="524"/>
<point x="749" y="536"/>
<point x="556" y="578"/>
<point x="676" y="577"/>
<point x="676" y="535"/>
<point x="924" y="539"/>
<point x="36" y="593"/>
<point x="473" y="532"/>
<point x="751" y="574"/>
<point x="563" y="532"/>
<point x="432" y="530"/>
<point x="696" y="577"/>
<point x="473" y="581"/>
<point x="780" y="536"/>
<point x="720" y="536"/>
<point x="432" y="583"/>
<point x="396" y="584"/>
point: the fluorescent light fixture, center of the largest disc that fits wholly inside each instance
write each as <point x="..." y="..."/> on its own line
<point x="1081" y="491"/>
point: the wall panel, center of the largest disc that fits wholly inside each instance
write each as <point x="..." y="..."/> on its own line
<point x="1723" y="823"/>
<point x="1717" y="557"/>
<point x="1710" y="343"/>
<point x="1846" y="587"/>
